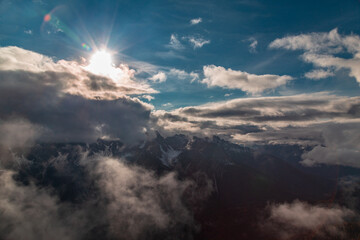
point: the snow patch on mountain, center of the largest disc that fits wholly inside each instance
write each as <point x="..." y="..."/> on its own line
<point x="168" y="157"/>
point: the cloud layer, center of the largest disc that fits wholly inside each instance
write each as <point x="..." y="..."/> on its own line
<point x="329" y="123"/>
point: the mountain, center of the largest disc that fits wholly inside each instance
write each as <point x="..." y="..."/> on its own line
<point x="241" y="181"/>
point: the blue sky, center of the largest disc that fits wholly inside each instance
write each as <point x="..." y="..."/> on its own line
<point x="140" y="32"/>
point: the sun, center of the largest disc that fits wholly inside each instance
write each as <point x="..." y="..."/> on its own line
<point x="101" y="63"/>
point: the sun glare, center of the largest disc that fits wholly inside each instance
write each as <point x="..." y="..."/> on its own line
<point x="101" y="63"/>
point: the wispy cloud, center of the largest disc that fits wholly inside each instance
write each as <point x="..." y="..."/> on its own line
<point x="181" y="74"/>
<point x="175" y="43"/>
<point x="317" y="74"/>
<point x="29" y="32"/>
<point x="195" y="21"/>
<point x="197" y="42"/>
<point x="253" y="45"/>
<point x="159" y="77"/>
<point x="320" y="49"/>
<point x="148" y="97"/>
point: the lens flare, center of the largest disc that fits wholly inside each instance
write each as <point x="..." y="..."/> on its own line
<point x="47" y="17"/>
<point x="85" y="46"/>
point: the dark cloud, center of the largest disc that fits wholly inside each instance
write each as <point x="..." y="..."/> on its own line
<point x="38" y="97"/>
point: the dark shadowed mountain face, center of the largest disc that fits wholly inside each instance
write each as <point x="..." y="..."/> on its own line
<point x="174" y="188"/>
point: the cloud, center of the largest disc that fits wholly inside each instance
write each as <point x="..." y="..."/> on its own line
<point x="338" y="63"/>
<point x="17" y="136"/>
<point x="341" y="146"/>
<point x="175" y="43"/>
<point x="321" y="50"/>
<point x="292" y="220"/>
<point x="329" y="124"/>
<point x="18" y="133"/>
<point x="170" y="54"/>
<point x="67" y="102"/>
<point x="232" y="79"/>
<point x="197" y="42"/>
<point x="31" y="213"/>
<point x="195" y="21"/>
<point x="181" y="74"/>
<point x="349" y="188"/>
<point x="137" y="202"/>
<point x="159" y="77"/>
<point x="317" y="74"/>
<point x="148" y="97"/>
<point x="298" y="119"/>
<point x="29" y="32"/>
<point x="253" y="45"/>
<point x="70" y="76"/>
<point x="167" y="105"/>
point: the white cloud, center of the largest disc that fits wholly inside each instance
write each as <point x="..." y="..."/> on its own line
<point x="167" y="105"/>
<point x="181" y="74"/>
<point x="289" y="220"/>
<point x="175" y="43"/>
<point x="159" y="77"/>
<point x="18" y="133"/>
<point x="253" y="45"/>
<point x="197" y="42"/>
<point x="195" y="21"/>
<point x="148" y="97"/>
<point x="321" y="49"/>
<point x="232" y="79"/>
<point x="136" y="200"/>
<point x="338" y="63"/>
<point x="29" y="32"/>
<point x="317" y="74"/>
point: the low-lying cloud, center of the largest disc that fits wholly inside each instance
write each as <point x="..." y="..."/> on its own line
<point x="300" y="219"/>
